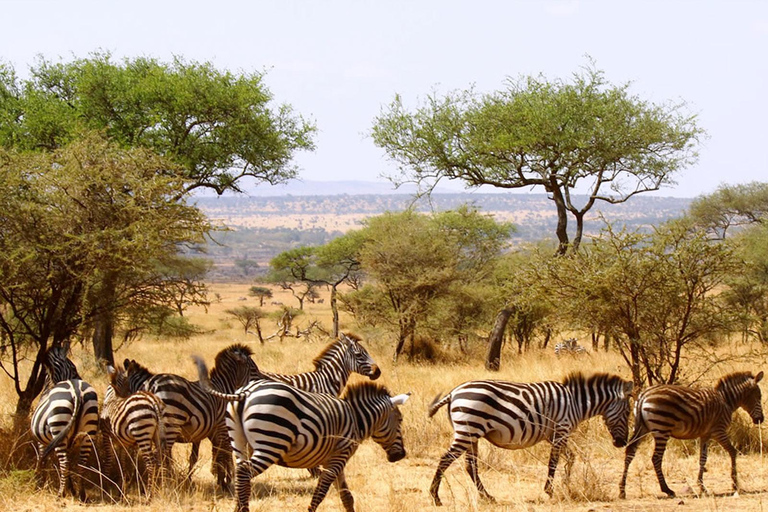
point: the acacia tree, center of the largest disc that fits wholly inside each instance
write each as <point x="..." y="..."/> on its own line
<point x="561" y="136"/>
<point x="584" y="135"/>
<point x="731" y="206"/>
<point x="417" y="263"/>
<point x="656" y="294"/>
<point x="294" y="270"/>
<point x="67" y="219"/>
<point x="219" y="129"/>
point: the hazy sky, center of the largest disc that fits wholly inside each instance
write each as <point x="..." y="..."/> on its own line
<point x="338" y="62"/>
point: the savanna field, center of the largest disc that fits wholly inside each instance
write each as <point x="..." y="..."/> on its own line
<point x="515" y="478"/>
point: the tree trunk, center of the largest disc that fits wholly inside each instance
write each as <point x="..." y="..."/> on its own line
<point x="493" y="357"/>
<point x="562" y="216"/>
<point x="103" y="333"/>
<point x="334" y="312"/>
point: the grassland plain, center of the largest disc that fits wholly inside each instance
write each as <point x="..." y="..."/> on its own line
<point x="515" y="478"/>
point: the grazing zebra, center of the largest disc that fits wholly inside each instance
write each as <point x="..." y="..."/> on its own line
<point x="192" y="414"/>
<point x="683" y="412"/>
<point x="133" y="419"/>
<point x="513" y="416"/>
<point x="281" y="424"/>
<point x="333" y="367"/>
<point x="67" y="414"/>
<point x="569" y="346"/>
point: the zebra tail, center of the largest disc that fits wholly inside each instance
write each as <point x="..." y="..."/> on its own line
<point x="56" y="441"/>
<point x="205" y="382"/>
<point x="437" y="403"/>
<point x="160" y="437"/>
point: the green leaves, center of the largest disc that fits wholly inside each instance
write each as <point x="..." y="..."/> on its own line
<point x="216" y="126"/>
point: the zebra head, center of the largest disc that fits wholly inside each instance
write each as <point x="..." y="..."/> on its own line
<point x="119" y="381"/>
<point x="615" y="393"/>
<point x="58" y="367"/>
<point x="741" y="390"/>
<point x="361" y="361"/>
<point x="137" y="374"/>
<point x="379" y="416"/>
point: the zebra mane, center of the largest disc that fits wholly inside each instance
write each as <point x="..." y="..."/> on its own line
<point x="734" y="378"/>
<point x="363" y="389"/>
<point x="578" y="378"/>
<point x="331" y="347"/>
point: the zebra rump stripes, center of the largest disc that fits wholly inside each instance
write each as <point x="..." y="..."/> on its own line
<point x="192" y="414"/>
<point x="133" y="419"/>
<point x="512" y="416"/>
<point x="67" y="414"/>
<point x="299" y="429"/>
<point x="684" y="412"/>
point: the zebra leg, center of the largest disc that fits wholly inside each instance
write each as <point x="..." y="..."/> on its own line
<point x="84" y="447"/>
<point x="333" y="471"/>
<point x="471" y="465"/>
<point x="65" y="482"/>
<point x="702" y="464"/>
<point x="453" y="453"/>
<point x="346" y="496"/>
<point x="558" y="444"/>
<point x="39" y="466"/>
<point x="194" y="454"/>
<point x="722" y="438"/>
<point x="146" y="453"/>
<point x="570" y="458"/>
<point x="629" y="454"/>
<point x="658" y="456"/>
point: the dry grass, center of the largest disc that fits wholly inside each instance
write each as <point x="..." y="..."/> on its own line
<point x="515" y="478"/>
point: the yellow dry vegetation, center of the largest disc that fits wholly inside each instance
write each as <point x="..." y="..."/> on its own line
<point x="515" y="478"/>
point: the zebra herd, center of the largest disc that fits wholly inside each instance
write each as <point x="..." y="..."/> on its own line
<point x="314" y="421"/>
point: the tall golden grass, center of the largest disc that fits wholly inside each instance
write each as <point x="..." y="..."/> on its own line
<point x="515" y="478"/>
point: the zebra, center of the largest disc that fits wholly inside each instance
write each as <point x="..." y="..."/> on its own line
<point x="281" y="424"/>
<point x="512" y="416"/>
<point x="569" y="346"/>
<point x="333" y="367"/>
<point x="133" y="419"/>
<point x="684" y="412"/>
<point x="191" y="413"/>
<point x="67" y="414"/>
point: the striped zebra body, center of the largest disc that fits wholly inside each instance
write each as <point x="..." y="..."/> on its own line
<point x="513" y="415"/>
<point x="684" y="412"/>
<point x="281" y="424"/>
<point x="191" y="414"/>
<point x="333" y="367"/>
<point x="134" y="419"/>
<point x="569" y="347"/>
<point x="66" y="418"/>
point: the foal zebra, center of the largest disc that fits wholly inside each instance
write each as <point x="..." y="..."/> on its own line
<point x="133" y="419"/>
<point x="683" y="412"/>
<point x="67" y="414"/>
<point x="191" y="413"/>
<point x="298" y="429"/>
<point x="513" y="416"/>
<point x="333" y="367"/>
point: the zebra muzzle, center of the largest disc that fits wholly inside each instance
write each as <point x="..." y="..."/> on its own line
<point x="375" y="373"/>
<point x="395" y="455"/>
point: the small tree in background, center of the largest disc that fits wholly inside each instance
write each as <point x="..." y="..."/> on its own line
<point x="261" y="292"/>
<point x="249" y="317"/>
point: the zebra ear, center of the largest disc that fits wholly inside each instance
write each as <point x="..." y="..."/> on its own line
<point x="400" y="399"/>
<point x="758" y="377"/>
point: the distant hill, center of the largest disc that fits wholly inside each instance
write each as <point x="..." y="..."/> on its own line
<point x="263" y="226"/>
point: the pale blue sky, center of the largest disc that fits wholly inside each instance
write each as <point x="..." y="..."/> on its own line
<point x="338" y="62"/>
